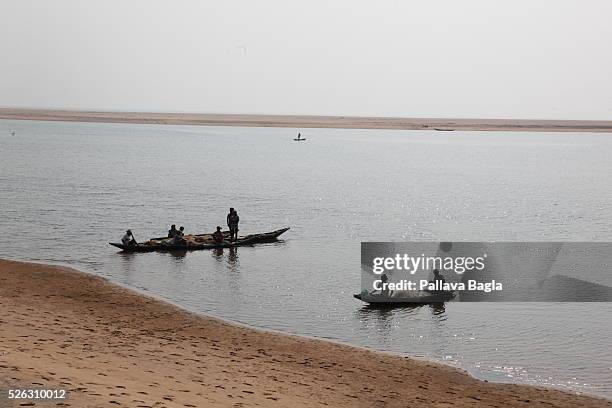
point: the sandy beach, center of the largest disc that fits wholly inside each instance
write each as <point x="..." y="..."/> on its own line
<point x="305" y="121"/>
<point x="112" y="347"/>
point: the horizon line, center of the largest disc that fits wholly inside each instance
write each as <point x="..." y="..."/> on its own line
<point x="307" y="121"/>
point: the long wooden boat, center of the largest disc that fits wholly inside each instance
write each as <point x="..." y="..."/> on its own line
<point x="421" y="298"/>
<point x="199" y="241"/>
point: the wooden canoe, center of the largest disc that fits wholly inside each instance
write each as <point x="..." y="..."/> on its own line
<point x="422" y="299"/>
<point x="199" y="241"/>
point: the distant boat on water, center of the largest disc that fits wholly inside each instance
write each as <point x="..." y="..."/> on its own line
<point x="299" y="138"/>
<point x="12" y="132"/>
<point x="444" y="130"/>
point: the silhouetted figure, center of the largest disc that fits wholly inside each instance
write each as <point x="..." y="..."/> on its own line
<point x="173" y="232"/>
<point x="385" y="290"/>
<point x="438" y="280"/>
<point x="128" y="238"/>
<point x="218" y="236"/>
<point x="232" y="222"/>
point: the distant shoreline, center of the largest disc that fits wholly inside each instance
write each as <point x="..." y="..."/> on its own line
<point x="306" y="121"/>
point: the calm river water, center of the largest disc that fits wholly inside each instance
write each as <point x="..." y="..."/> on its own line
<point x="67" y="189"/>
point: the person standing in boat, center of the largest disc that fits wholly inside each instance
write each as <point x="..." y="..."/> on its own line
<point x="438" y="281"/>
<point x="229" y="214"/>
<point x="385" y="290"/>
<point x="218" y="236"/>
<point x="128" y="238"/>
<point x="232" y="222"/>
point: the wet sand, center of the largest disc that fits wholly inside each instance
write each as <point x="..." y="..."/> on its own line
<point x="112" y="347"/>
<point x="295" y="121"/>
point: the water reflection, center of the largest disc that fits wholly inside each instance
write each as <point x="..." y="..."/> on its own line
<point x="438" y="311"/>
<point x="232" y="258"/>
<point x="178" y="256"/>
<point x="438" y="335"/>
<point x="127" y="258"/>
<point x="128" y="266"/>
<point x="381" y="319"/>
<point x="217" y="254"/>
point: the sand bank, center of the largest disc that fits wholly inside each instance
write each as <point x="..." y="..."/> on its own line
<point x="296" y="121"/>
<point x="111" y="347"/>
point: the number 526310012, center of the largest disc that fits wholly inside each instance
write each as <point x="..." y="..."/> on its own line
<point x="37" y="394"/>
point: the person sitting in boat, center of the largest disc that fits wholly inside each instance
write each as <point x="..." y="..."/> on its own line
<point x="181" y="231"/>
<point x="178" y="240"/>
<point x="173" y="232"/>
<point x="128" y="238"/>
<point x="232" y="222"/>
<point x="218" y="235"/>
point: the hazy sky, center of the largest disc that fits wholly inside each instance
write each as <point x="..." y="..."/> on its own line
<point x="451" y="58"/>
